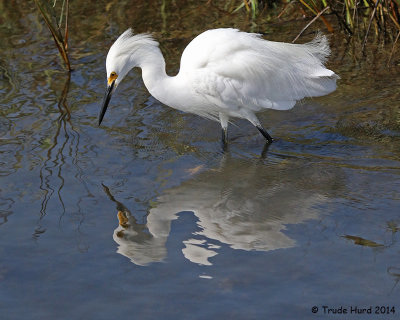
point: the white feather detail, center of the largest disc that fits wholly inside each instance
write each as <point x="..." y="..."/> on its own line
<point x="255" y="73"/>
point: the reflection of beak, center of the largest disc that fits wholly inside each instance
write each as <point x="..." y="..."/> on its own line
<point x="106" y="100"/>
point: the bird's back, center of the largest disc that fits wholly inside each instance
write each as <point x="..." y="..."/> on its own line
<point x="230" y="67"/>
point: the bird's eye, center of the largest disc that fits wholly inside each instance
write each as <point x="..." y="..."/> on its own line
<point x="113" y="74"/>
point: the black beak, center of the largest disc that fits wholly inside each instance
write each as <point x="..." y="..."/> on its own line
<point x="106" y="100"/>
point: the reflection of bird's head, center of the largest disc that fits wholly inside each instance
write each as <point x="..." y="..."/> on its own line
<point x="135" y="242"/>
<point x="123" y="222"/>
<point x="123" y="219"/>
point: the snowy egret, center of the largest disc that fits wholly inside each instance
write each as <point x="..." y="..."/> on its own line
<point x="225" y="73"/>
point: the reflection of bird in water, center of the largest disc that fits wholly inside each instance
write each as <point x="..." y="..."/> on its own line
<point x="225" y="73"/>
<point x="243" y="204"/>
<point x="134" y="240"/>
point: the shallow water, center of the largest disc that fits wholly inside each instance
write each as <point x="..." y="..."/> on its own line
<point x="146" y="217"/>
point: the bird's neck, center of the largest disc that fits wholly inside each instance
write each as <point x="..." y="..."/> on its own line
<point x="154" y="75"/>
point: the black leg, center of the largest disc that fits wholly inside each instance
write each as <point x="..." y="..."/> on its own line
<point x="265" y="134"/>
<point x="224" y="135"/>
<point x="265" y="150"/>
<point x="224" y="140"/>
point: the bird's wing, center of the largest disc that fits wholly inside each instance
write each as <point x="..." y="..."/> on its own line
<point x="231" y="68"/>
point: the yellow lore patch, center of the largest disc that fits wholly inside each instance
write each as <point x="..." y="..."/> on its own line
<point x="113" y="76"/>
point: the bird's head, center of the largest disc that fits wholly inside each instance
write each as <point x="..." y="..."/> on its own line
<point x="125" y="54"/>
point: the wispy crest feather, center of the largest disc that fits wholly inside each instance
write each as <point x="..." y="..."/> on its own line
<point x="129" y="45"/>
<point x="128" y="42"/>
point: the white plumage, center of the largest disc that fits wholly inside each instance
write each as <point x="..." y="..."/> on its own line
<point x="226" y="73"/>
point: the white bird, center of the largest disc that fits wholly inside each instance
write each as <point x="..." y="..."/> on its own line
<point x="225" y="73"/>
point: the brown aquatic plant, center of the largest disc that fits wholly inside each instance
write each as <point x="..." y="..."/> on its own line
<point x="364" y="17"/>
<point x="363" y="242"/>
<point x="60" y="37"/>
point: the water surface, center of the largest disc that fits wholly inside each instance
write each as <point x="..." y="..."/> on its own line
<point x="146" y="217"/>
